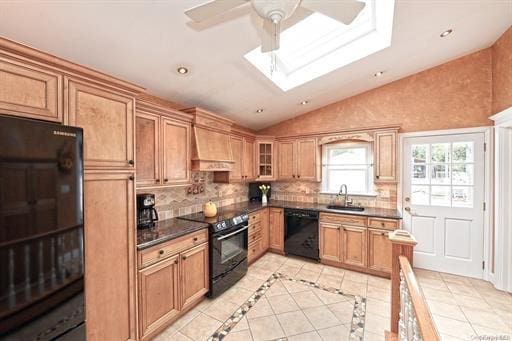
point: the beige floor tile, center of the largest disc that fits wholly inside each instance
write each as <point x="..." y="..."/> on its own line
<point x="238" y="295"/>
<point x="308" y="275"/>
<point x="260" y="309"/>
<point x="332" y="271"/>
<point x="462" y="289"/>
<point x="244" y="335"/>
<point x="289" y="270"/>
<point x="330" y="281"/>
<point x="221" y="310"/>
<point x="378" y="307"/>
<point x="481" y="284"/>
<point x="306" y="299"/>
<point x="446" y="310"/>
<point x="379" y="282"/>
<point x="295" y="261"/>
<point x="453" y="327"/>
<point x="276" y="289"/>
<point x="355" y="276"/>
<point x="265" y="328"/>
<point x="483" y="330"/>
<point x="200" y="328"/>
<point x="282" y="303"/>
<point x="486" y="318"/>
<point x="472" y="301"/>
<point x="383" y="294"/>
<point x="438" y="295"/>
<point x="437" y="284"/>
<point x="376" y="324"/>
<point x="311" y="336"/>
<point x="369" y="336"/>
<point x="327" y="297"/>
<point x="179" y="337"/>
<point x="249" y="282"/>
<point x="506" y="315"/>
<point x="423" y="273"/>
<point x="455" y="279"/>
<point x="338" y="333"/>
<point x="166" y="334"/>
<point x="294" y="322"/>
<point x="293" y="287"/>
<point x="185" y="319"/>
<point x="321" y="317"/>
<point x="313" y="266"/>
<point x="354" y="288"/>
<point x="260" y="273"/>
<point x="343" y="311"/>
<point x="241" y="325"/>
<point x="445" y="337"/>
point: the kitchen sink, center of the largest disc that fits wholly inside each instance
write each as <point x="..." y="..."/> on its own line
<point x="346" y="208"/>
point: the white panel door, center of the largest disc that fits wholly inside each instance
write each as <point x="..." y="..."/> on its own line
<point x="443" y="198"/>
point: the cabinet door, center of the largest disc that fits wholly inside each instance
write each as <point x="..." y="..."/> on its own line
<point x="276" y="220"/>
<point x="379" y="250"/>
<point x="286" y="162"/>
<point x="237" y="147"/>
<point x="306" y="159"/>
<point x="249" y="172"/>
<point x="147" y="142"/>
<point x="353" y="245"/>
<point x="110" y="256"/>
<point x="194" y="275"/>
<point x="385" y="156"/>
<point x="176" y="151"/>
<point x="158" y="298"/>
<point x="30" y="91"/>
<point x="107" y="119"/>
<point x="265" y="229"/>
<point x="330" y="242"/>
<point x="265" y="161"/>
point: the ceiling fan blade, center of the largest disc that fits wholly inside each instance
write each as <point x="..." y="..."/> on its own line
<point x="212" y="8"/>
<point x="344" y="11"/>
<point x="270" y="34"/>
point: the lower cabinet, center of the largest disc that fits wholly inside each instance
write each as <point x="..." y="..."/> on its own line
<point x="171" y="285"/>
<point x="258" y="234"/>
<point x="330" y="242"/>
<point x="379" y="250"/>
<point x="276" y="222"/>
<point x="354" y="245"/>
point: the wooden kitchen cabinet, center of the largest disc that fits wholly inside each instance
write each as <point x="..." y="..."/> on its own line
<point x="249" y="172"/>
<point x="147" y="130"/>
<point x="385" y="156"/>
<point x="298" y="159"/>
<point x="265" y="229"/>
<point x="193" y="275"/>
<point x="31" y="91"/>
<point x="258" y="234"/>
<point x="265" y="161"/>
<point x="158" y="294"/>
<point x="379" y="250"/>
<point x="107" y="118"/>
<point x="110" y="256"/>
<point x="175" y="152"/>
<point x="276" y="226"/>
<point x="237" y="147"/>
<point x="330" y="242"/>
<point x="243" y="157"/>
<point x="354" y="245"/>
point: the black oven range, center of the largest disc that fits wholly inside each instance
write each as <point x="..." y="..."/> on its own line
<point x="228" y="245"/>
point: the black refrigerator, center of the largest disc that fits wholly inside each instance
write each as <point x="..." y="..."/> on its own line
<point x="41" y="231"/>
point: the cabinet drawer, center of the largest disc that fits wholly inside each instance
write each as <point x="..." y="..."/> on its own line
<point x="253" y="228"/>
<point x="342" y="219"/>
<point x="255" y="249"/>
<point x="257" y="235"/>
<point x="254" y="217"/>
<point x="381" y="223"/>
<point x="165" y="250"/>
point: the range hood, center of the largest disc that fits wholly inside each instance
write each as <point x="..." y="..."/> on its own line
<point x="211" y="145"/>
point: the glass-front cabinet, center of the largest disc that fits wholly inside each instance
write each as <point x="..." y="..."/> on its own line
<point x="265" y="159"/>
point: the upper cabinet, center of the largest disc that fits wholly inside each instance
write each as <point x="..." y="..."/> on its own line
<point x="109" y="144"/>
<point x="385" y="156"/>
<point x="30" y="91"/>
<point x="298" y="159"/>
<point x="163" y="146"/>
<point x="242" y="148"/>
<point x="265" y="165"/>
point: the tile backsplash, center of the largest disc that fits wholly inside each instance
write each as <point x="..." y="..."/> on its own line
<point x="175" y="201"/>
<point x="386" y="194"/>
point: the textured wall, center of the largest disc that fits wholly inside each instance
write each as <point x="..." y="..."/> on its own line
<point x="174" y="201"/>
<point x="452" y="95"/>
<point x="502" y="72"/>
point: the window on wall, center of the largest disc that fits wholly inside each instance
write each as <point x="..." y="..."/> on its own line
<point x="350" y="164"/>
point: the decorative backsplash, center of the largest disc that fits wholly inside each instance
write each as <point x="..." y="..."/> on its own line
<point x="311" y="192"/>
<point x="176" y="201"/>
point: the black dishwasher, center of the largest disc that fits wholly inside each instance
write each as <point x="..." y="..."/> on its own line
<point x="301" y="233"/>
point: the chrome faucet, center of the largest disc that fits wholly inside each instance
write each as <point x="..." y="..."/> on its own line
<point x="347" y="201"/>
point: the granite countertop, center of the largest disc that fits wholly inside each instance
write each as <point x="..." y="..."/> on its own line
<point x="368" y="211"/>
<point x="165" y="230"/>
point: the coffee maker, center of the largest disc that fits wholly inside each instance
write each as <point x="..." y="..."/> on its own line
<point x="146" y="212"/>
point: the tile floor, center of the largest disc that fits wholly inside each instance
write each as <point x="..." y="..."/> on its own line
<point x="462" y="307"/>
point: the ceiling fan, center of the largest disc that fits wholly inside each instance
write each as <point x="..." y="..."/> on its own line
<point x="274" y="12"/>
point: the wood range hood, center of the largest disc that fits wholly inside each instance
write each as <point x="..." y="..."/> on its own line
<point x="211" y="145"/>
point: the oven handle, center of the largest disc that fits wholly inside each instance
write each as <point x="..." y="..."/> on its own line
<point x="233" y="233"/>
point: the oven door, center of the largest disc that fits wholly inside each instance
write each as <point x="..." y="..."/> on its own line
<point x="229" y="249"/>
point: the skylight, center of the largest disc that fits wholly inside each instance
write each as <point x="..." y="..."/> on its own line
<point x="318" y="45"/>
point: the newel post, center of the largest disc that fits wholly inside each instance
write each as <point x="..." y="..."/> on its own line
<point x="402" y="245"/>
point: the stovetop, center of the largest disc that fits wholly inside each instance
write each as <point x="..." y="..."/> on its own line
<point x="224" y="219"/>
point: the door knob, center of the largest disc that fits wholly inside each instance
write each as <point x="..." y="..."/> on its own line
<point x="407" y="199"/>
<point x="408" y="209"/>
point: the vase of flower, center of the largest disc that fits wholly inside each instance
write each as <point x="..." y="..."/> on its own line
<point x="264" y="190"/>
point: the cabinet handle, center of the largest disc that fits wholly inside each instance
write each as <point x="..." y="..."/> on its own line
<point x="382" y="224"/>
<point x="298" y="176"/>
<point x="184" y="257"/>
<point x="165" y="180"/>
<point x="293" y="175"/>
<point x="176" y="261"/>
<point x="376" y="176"/>
<point x="195" y="239"/>
<point x="161" y="252"/>
<point x="383" y="233"/>
<point x="131" y="177"/>
<point x="157" y="180"/>
<point x="131" y="163"/>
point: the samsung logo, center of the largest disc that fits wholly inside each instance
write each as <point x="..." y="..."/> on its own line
<point x="63" y="133"/>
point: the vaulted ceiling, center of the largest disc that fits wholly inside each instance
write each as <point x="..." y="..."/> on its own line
<point x="145" y="41"/>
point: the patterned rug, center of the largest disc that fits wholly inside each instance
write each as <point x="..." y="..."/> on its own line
<point x="358" y="314"/>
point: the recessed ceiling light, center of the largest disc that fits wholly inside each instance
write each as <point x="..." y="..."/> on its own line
<point x="259" y="110"/>
<point x="182" y="70"/>
<point x="304" y="102"/>
<point x="378" y="74"/>
<point x="446" y="33"/>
